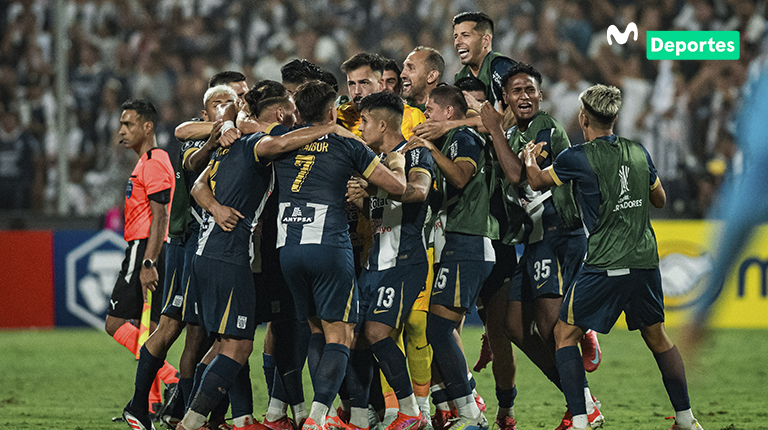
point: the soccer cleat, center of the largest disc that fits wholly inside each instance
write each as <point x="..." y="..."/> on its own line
<point x="283" y="423"/>
<point x="170" y="422"/>
<point x="428" y="419"/>
<point x="255" y="425"/>
<point x="480" y="402"/>
<point x="463" y="423"/>
<point x="441" y="419"/>
<point x="596" y="420"/>
<point x="335" y="422"/>
<point x="215" y="426"/>
<point x="407" y="422"/>
<point x="590" y="351"/>
<point x="310" y="424"/>
<point x="486" y="355"/>
<point x="137" y="423"/>
<point x="694" y="425"/>
<point x="506" y="423"/>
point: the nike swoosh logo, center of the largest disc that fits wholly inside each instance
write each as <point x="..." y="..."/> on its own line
<point x="420" y="348"/>
<point x="541" y="285"/>
<point x="380" y="311"/>
<point x="596" y="360"/>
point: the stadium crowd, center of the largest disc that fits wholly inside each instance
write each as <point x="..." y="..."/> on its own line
<point x="166" y="50"/>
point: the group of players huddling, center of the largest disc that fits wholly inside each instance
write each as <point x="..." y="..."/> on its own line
<point x="351" y="227"/>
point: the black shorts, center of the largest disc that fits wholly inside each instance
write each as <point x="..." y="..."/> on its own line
<point x="274" y="301"/>
<point x="127" y="300"/>
<point x="503" y="269"/>
<point x="173" y="293"/>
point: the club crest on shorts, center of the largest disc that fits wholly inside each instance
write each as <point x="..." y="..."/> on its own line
<point x="241" y="320"/>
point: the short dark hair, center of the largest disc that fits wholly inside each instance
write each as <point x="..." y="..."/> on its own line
<point x="144" y="109"/>
<point x="330" y="79"/>
<point x="434" y="60"/>
<point x="483" y="22"/>
<point x="374" y="61"/>
<point x="392" y="66"/>
<point x="449" y="95"/>
<point x="313" y="99"/>
<point x="225" y="78"/>
<point x="298" y="71"/>
<point x="518" y="69"/>
<point x="470" y="83"/>
<point x="383" y="100"/>
<point x="265" y="94"/>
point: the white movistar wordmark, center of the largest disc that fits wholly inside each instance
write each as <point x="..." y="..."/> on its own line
<point x="619" y="37"/>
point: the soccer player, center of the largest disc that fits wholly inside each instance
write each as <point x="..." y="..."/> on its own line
<point x="397" y="266"/>
<point x="552" y="231"/>
<point x="391" y="76"/>
<point x="182" y="233"/>
<point x="315" y="251"/>
<point x="233" y="189"/>
<point x="472" y="38"/>
<point x="615" y="181"/>
<point x="147" y="197"/>
<point x="423" y="69"/>
<point x="299" y="71"/>
<point x="463" y="247"/>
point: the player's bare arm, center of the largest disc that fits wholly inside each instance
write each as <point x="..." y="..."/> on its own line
<point x="391" y="179"/>
<point x="457" y="174"/>
<point x="658" y="196"/>
<point x="149" y="276"/>
<point x="510" y="162"/>
<point x="225" y="216"/>
<point x="193" y="130"/>
<point x="270" y="147"/>
<point x="538" y="179"/>
<point x="431" y="130"/>
<point x="417" y="188"/>
<point x="197" y="160"/>
<point x="358" y="190"/>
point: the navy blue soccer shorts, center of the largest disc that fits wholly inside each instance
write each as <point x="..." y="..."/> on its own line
<point x="226" y="297"/>
<point x="322" y="281"/>
<point x="597" y="299"/>
<point x="458" y="283"/>
<point x="387" y="296"/>
<point x="189" y="310"/>
<point x="503" y="269"/>
<point x="173" y="291"/>
<point x="548" y="267"/>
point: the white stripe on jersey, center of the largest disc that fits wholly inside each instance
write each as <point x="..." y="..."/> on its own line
<point x="206" y="227"/>
<point x="282" y="229"/>
<point x="489" y="253"/>
<point x="389" y="234"/>
<point x="312" y="233"/>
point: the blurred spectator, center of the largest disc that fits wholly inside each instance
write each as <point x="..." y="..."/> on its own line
<point x="20" y="162"/>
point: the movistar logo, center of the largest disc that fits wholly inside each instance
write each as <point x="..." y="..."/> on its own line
<point x="621" y="38"/>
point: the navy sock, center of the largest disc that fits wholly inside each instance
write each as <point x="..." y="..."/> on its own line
<point x="215" y="385"/>
<point x="291" y="338"/>
<point x="472" y="382"/>
<point x="330" y="372"/>
<point x="673" y="374"/>
<point x="376" y="394"/>
<point x="146" y="371"/>
<point x="219" y="413"/>
<point x="269" y="371"/>
<point x="506" y="398"/>
<point x="315" y="353"/>
<point x="439" y="396"/>
<point x="553" y="375"/>
<point x="571" y="369"/>
<point x="185" y="389"/>
<point x="359" y="376"/>
<point x="393" y="365"/>
<point x="199" y="372"/>
<point x="450" y="360"/>
<point x="241" y="393"/>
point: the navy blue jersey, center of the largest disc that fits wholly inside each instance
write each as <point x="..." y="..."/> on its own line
<point x="188" y="148"/>
<point x="312" y="182"/>
<point x="398" y="228"/>
<point x="240" y="181"/>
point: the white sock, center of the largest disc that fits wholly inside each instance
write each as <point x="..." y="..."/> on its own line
<point x="423" y="403"/>
<point x="299" y="412"/>
<point x="580" y="421"/>
<point x="193" y="420"/>
<point x="684" y="418"/>
<point x="358" y="417"/>
<point x="276" y="410"/>
<point x="318" y="413"/>
<point x="467" y="407"/>
<point x="243" y="420"/>
<point x="589" y="401"/>
<point x="409" y="406"/>
<point x="390" y="415"/>
<point x="443" y="406"/>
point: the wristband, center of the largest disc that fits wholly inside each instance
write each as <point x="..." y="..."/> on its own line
<point x="228" y="125"/>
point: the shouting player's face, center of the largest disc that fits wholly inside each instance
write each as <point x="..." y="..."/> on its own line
<point x="240" y="89"/>
<point x="435" y="112"/>
<point x="133" y="130"/>
<point x="468" y="43"/>
<point x="214" y="101"/>
<point x="522" y="94"/>
<point x="362" y="82"/>
<point x="414" y="74"/>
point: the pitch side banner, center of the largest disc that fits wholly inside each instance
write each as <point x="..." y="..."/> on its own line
<point x="686" y="258"/>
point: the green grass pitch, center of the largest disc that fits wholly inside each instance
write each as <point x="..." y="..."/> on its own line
<point x="70" y="379"/>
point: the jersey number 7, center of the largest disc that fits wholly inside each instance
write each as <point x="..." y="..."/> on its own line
<point x="306" y="162"/>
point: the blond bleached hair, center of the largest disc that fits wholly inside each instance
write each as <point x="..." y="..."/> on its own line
<point x="602" y="102"/>
<point x="218" y="90"/>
